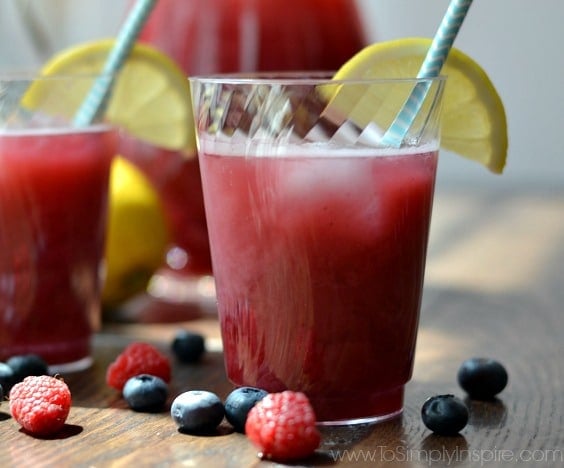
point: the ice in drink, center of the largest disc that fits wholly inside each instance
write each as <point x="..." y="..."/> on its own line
<point x="319" y="261"/>
<point x="53" y="205"/>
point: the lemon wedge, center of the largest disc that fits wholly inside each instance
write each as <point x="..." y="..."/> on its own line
<point x="137" y="236"/>
<point x="150" y="98"/>
<point x="473" y="121"/>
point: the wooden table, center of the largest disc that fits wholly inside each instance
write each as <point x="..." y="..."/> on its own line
<point x="495" y="287"/>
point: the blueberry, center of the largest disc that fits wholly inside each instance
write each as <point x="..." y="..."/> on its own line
<point x="482" y="378"/>
<point x="444" y="414"/>
<point x="26" y="365"/>
<point x="7" y="377"/>
<point x="238" y="404"/>
<point x="197" y="411"/>
<point x="145" y="393"/>
<point x="1" y="394"/>
<point x="188" y="346"/>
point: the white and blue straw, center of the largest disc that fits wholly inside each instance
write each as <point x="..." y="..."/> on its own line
<point x="430" y="68"/>
<point x="96" y="99"/>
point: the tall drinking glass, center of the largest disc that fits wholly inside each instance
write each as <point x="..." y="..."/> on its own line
<point x="53" y="204"/>
<point x="318" y="233"/>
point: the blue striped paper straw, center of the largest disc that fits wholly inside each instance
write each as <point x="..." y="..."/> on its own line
<point x="96" y="99"/>
<point x="430" y="68"/>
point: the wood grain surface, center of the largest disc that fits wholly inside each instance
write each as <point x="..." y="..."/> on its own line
<point x="495" y="287"/>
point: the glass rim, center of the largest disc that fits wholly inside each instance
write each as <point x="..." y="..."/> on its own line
<point x="303" y="78"/>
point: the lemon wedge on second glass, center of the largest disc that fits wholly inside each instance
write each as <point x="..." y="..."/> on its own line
<point x="150" y="98"/>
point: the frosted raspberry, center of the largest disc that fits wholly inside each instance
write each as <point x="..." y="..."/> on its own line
<point x="137" y="358"/>
<point x="40" y="404"/>
<point x="282" y="426"/>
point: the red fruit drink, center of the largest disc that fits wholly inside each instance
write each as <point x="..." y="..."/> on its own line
<point x="319" y="262"/>
<point x="225" y="36"/>
<point x="213" y="36"/>
<point x="177" y="178"/>
<point x="53" y="205"/>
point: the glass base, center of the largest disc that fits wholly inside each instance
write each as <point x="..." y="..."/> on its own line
<point x="170" y="297"/>
<point x="349" y="408"/>
<point x="355" y="409"/>
<point x="69" y="367"/>
<point x="183" y="288"/>
<point x="366" y="420"/>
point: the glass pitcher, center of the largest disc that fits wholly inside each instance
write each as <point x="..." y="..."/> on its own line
<point x="217" y="36"/>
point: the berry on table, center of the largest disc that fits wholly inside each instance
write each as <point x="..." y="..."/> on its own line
<point x="482" y="378"/>
<point x="197" y="411"/>
<point x="137" y="358"/>
<point x="145" y="393"/>
<point x="444" y="414"/>
<point x="188" y="346"/>
<point x="40" y="404"/>
<point x="27" y="364"/>
<point x="282" y="426"/>
<point x="238" y="404"/>
<point x="7" y="377"/>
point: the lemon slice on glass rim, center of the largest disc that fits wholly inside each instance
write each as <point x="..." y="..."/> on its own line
<point x="473" y="120"/>
<point x="150" y="98"/>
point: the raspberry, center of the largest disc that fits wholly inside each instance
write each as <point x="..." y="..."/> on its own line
<point x="137" y="358"/>
<point x="40" y="404"/>
<point x="282" y="426"/>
